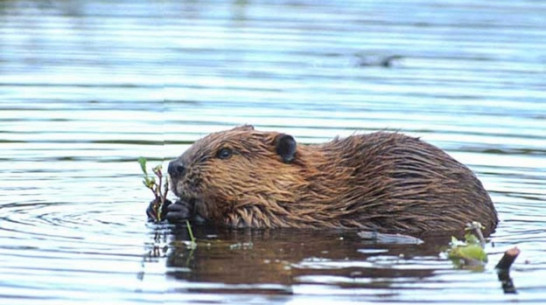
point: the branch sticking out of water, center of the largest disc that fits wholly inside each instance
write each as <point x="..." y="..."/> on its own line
<point x="508" y="259"/>
<point x="503" y="270"/>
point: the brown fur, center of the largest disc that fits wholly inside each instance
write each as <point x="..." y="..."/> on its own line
<point x="380" y="181"/>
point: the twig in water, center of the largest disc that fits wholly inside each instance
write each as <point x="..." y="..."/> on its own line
<point x="508" y="259"/>
<point x="503" y="270"/>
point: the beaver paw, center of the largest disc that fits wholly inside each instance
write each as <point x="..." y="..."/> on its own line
<point x="179" y="212"/>
<point x="157" y="212"/>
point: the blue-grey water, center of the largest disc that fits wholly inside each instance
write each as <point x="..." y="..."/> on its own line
<point x="87" y="87"/>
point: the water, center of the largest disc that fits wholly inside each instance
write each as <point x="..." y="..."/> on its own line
<point x="88" y="87"/>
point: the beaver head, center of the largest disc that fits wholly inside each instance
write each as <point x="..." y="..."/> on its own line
<point x="238" y="170"/>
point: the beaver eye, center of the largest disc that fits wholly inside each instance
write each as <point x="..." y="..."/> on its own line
<point x="224" y="153"/>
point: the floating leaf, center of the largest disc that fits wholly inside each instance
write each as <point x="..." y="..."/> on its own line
<point x="468" y="252"/>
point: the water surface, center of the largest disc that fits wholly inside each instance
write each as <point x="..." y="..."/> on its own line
<point x="88" y="87"/>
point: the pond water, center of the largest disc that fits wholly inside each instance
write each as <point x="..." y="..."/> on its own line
<point x="87" y="87"/>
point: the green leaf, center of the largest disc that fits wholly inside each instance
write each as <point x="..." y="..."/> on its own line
<point x="149" y="182"/>
<point x="142" y="162"/>
<point x="469" y="252"/>
<point x="471" y="239"/>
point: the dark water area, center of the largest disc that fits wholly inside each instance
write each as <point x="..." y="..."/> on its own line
<point x="87" y="87"/>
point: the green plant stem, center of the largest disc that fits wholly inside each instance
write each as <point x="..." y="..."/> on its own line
<point x="192" y="238"/>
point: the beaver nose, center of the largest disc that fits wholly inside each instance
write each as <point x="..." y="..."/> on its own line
<point x="176" y="168"/>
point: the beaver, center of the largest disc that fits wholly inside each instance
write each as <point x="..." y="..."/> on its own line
<point x="382" y="181"/>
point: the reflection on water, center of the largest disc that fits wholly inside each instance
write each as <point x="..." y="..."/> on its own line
<point x="88" y="87"/>
<point x="286" y="257"/>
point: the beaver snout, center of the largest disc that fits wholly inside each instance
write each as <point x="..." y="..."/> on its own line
<point x="176" y="168"/>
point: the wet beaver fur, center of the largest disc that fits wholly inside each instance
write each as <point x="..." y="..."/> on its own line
<point x="381" y="181"/>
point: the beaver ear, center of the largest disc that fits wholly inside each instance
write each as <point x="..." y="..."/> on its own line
<point x="285" y="146"/>
<point x="245" y="127"/>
